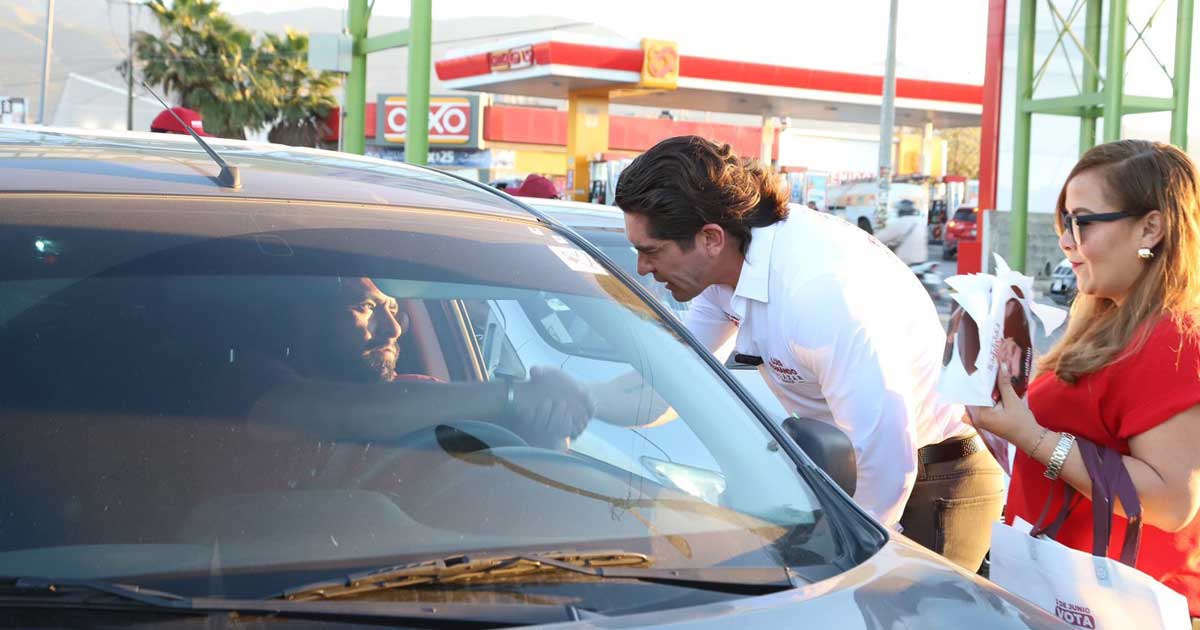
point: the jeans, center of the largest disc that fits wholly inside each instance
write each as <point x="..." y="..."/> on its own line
<point x="953" y="505"/>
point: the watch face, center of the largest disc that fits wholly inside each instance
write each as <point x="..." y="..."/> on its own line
<point x="963" y="329"/>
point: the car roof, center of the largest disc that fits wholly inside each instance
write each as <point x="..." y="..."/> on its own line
<point x="55" y="160"/>
<point x="579" y="215"/>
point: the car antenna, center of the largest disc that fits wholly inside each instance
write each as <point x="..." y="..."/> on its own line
<point x="230" y="176"/>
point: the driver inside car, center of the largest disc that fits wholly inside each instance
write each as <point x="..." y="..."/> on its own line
<point x="341" y="382"/>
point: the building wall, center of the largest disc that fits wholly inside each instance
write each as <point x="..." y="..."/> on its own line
<point x="1041" y="243"/>
<point x="534" y="125"/>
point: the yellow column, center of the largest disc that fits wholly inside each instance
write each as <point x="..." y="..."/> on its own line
<point x="767" y="142"/>
<point x="587" y="135"/>
<point x="928" y="166"/>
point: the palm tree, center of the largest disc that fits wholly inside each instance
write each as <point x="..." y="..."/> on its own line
<point x="211" y="63"/>
<point x="304" y="97"/>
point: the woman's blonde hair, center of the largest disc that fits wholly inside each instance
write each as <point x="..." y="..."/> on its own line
<point x="1140" y="176"/>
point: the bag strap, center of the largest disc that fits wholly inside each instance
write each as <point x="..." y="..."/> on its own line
<point x="1071" y="499"/>
<point x="1110" y="479"/>
<point x="1111" y="482"/>
<point x="1132" y="504"/>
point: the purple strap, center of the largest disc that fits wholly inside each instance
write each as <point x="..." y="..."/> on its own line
<point x="1110" y="482"/>
<point x="1071" y="500"/>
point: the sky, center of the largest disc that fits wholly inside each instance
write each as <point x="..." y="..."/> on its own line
<point x="936" y="39"/>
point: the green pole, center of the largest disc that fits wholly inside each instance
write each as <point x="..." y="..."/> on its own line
<point x="1091" y="77"/>
<point x="1023" y="124"/>
<point x="354" y="131"/>
<point x="1114" y="74"/>
<point x="420" y="28"/>
<point x="1183" y="73"/>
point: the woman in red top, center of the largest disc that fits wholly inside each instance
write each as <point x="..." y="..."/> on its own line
<point x="1126" y="373"/>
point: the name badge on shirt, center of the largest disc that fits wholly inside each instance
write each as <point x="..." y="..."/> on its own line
<point x="784" y="373"/>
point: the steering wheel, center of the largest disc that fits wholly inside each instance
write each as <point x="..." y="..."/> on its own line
<point x="419" y="451"/>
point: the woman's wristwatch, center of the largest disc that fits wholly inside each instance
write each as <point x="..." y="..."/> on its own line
<point x="1059" y="456"/>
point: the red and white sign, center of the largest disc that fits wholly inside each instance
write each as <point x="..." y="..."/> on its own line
<point x="450" y="120"/>
<point x="511" y="59"/>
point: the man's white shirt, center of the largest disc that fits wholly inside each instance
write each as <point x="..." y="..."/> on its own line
<point x="847" y="335"/>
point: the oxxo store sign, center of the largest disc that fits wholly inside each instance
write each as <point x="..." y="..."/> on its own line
<point x="454" y="121"/>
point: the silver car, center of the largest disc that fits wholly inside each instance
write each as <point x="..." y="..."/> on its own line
<point x="186" y="441"/>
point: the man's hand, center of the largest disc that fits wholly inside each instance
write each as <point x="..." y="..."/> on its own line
<point x="551" y="407"/>
<point x="629" y="401"/>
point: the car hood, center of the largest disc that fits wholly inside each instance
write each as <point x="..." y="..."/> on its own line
<point x="902" y="586"/>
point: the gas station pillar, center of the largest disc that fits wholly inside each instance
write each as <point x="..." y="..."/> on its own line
<point x="587" y="136"/>
<point x="587" y="112"/>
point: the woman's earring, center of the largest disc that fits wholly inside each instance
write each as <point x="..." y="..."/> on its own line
<point x="1145" y="254"/>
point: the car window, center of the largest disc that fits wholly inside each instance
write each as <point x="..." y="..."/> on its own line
<point x="616" y="247"/>
<point x="965" y="214"/>
<point x="184" y="392"/>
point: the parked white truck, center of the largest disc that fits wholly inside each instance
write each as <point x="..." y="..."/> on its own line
<point x="857" y="202"/>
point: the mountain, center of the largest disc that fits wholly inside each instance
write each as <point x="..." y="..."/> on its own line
<point x="387" y="70"/>
<point x="90" y="40"/>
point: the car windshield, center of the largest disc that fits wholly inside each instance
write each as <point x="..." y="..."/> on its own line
<point x="615" y="246"/>
<point x="237" y="397"/>
<point x="965" y="214"/>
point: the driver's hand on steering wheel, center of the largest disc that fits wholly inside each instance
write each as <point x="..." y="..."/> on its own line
<point x="550" y="407"/>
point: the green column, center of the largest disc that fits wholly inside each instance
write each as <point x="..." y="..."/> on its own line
<point x="1183" y="74"/>
<point x="420" y="28"/>
<point x="1114" y="77"/>
<point x="1023" y="124"/>
<point x="354" y="129"/>
<point x="1091" y="77"/>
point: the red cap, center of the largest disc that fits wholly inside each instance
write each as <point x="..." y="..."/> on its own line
<point x="536" y="186"/>
<point x="164" y="122"/>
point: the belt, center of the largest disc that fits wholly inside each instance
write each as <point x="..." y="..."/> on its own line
<point x="951" y="449"/>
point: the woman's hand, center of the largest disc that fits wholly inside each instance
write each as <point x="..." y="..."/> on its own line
<point x="1010" y="418"/>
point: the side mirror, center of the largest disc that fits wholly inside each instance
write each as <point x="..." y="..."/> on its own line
<point x="828" y="447"/>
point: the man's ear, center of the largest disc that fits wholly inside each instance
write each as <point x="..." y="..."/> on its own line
<point x="1153" y="229"/>
<point x="712" y="238"/>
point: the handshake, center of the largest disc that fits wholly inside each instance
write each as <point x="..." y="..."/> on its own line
<point x="552" y="407"/>
<point x="549" y="408"/>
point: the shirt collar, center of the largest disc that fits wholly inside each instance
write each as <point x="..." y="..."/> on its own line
<point x="753" y="281"/>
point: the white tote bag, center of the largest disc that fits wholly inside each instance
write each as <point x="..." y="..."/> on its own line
<point x="1088" y="590"/>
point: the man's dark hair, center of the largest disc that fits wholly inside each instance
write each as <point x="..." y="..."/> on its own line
<point x="685" y="182"/>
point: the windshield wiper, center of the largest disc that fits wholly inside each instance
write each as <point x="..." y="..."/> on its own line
<point x="98" y="594"/>
<point x="618" y="565"/>
<point x="69" y="587"/>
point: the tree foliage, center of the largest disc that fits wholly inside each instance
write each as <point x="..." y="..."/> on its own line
<point x="304" y="96"/>
<point x="963" y="151"/>
<point x="235" y="80"/>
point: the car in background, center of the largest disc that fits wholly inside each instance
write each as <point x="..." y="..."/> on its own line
<point x="1063" y="284"/>
<point x="937" y="220"/>
<point x="857" y="203"/>
<point x="604" y="227"/>
<point x="507" y="183"/>
<point x="963" y="226"/>
<point x="147" y="304"/>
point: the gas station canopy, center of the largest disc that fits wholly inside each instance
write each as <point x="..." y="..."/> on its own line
<point x="559" y="64"/>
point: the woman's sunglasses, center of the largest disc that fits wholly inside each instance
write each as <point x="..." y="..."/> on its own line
<point x="1073" y="224"/>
